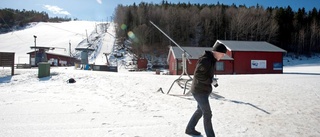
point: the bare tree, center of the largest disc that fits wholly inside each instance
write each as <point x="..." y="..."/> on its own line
<point x="206" y="17"/>
<point x="194" y="26"/>
<point x="231" y="14"/>
<point x="314" y="36"/>
<point x="301" y="43"/>
<point x="217" y="21"/>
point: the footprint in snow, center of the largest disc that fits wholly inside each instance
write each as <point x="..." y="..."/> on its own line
<point x="81" y="110"/>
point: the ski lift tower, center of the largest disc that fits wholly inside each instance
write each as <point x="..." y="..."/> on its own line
<point x="183" y="83"/>
<point x="40" y="54"/>
<point x="84" y="54"/>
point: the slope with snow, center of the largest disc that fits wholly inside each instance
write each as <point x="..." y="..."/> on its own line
<point x="107" y="43"/>
<point x="48" y="35"/>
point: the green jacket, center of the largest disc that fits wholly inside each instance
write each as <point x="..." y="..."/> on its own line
<point x="203" y="74"/>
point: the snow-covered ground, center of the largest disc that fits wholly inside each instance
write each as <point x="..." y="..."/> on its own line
<point x="108" y="104"/>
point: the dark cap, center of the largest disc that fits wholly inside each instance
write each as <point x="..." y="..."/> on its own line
<point x="219" y="47"/>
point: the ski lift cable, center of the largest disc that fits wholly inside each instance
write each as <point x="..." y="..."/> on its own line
<point x="65" y="30"/>
<point x="11" y="29"/>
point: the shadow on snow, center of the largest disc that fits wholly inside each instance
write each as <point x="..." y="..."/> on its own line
<point x="218" y="97"/>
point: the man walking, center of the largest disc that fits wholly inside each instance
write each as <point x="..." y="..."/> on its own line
<point x="201" y="88"/>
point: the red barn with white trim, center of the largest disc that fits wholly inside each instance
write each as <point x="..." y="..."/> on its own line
<point x="175" y="60"/>
<point x="242" y="57"/>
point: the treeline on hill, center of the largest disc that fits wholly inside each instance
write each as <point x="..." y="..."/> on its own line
<point x="10" y="18"/>
<point x="201" y="25"/>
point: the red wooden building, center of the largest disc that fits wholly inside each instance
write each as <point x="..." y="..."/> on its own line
<point x="175" y="60"/>
<point x="55" y="59"/>
<point x="243" y="57"/>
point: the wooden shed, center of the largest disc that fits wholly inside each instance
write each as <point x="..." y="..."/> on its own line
<point x="243" y="57"/>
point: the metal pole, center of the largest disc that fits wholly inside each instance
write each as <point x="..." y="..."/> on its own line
<point x="69" y="48"/>
<point x="87" y="36"/>
<point x="184" y="64"/>
<point x="35" y="50"/>
<point x="169" y="38"/>
<point x="35" y="40"/>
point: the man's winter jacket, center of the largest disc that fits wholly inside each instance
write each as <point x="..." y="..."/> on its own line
<point x="203" y="74"/>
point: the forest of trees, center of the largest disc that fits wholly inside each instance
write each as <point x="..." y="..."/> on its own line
<point x="201" y="25"/>
<point x="10" y="18"/>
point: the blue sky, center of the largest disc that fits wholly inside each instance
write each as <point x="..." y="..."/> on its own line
<point x="102" y="10"/>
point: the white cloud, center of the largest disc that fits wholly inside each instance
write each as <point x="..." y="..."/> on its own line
<point x="99" y="1"/>
<point x="56" y="10"/>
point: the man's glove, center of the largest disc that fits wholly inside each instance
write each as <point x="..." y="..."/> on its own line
<point x="215" y="82"/>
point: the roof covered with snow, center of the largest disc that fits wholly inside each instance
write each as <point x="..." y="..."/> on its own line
<point x="250" y="46"/>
